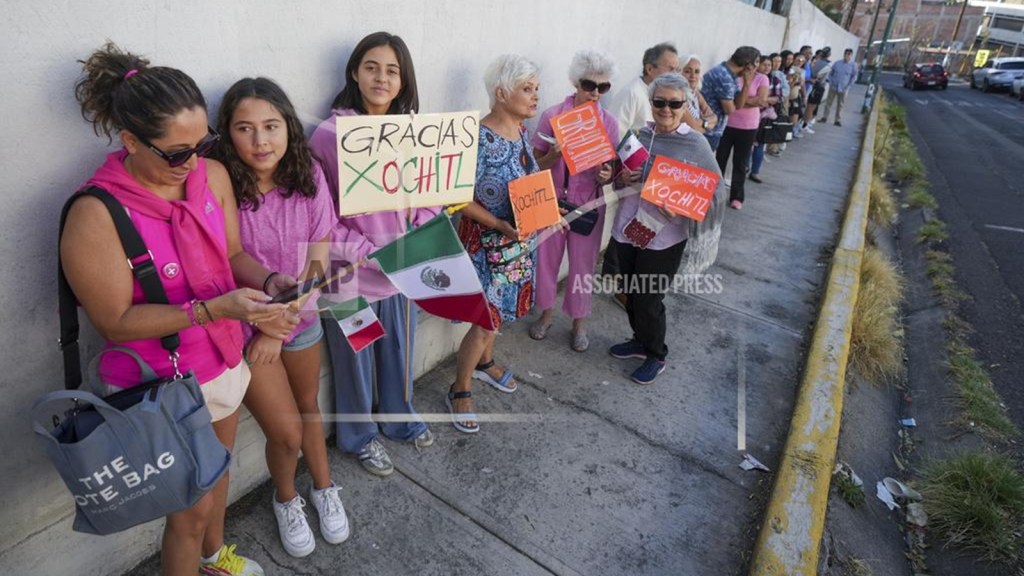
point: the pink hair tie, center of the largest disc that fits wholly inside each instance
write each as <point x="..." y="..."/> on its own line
<point x="130" y="73"/>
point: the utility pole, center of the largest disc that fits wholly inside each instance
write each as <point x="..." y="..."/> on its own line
<point x="850" y="14"/>
<point x="862" y="76"/>
<point x="956" y="30"/>
<point x="872" y="85"/>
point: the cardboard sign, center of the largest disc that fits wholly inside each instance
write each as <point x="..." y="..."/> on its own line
<point x="680" y="188"/>
<point x="534" y="202"/>
<point x="583" y="139"/>
<point x="394" y="162"/>
<point x="981" y="57"/>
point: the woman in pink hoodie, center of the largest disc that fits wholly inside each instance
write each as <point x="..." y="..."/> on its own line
<point x="183" y="208"/>
<point x="379" y="79"/>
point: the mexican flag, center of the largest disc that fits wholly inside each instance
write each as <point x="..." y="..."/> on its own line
<point x="632" y="152"/>
<point x="429" y="265"/>
<point x="357" y="321"/>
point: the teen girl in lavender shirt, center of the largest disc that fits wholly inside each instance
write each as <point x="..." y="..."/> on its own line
<point x="379" y="79"/>
<point x="285" y="217"/>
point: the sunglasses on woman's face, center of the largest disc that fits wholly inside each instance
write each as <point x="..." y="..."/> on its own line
<point x="590" y="86"/>
<point x="175" y="159"/>
<point x="660" y="103"/>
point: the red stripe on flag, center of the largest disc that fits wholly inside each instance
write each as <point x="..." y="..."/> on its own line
<point x="467" y="308"/>
<point x="366" y="336"/>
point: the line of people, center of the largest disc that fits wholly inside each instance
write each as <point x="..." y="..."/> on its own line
<point x="261" y="215"/>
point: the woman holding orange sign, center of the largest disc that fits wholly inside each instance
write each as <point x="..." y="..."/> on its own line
<point x="590" y="73"/>
<point x="649" y="239"/>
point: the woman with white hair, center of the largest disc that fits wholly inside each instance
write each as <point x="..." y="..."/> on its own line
<point x="699" y="115"/>
<point x="505" y="265"/>
<point x="648" y="239"/>
<point x="590" y="74"/>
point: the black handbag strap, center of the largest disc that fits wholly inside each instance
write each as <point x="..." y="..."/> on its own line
<point x="140" y="260"/>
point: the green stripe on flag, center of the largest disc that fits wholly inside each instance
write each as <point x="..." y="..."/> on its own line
<point x="342" y="310"/>
<point x="435" y="239"/>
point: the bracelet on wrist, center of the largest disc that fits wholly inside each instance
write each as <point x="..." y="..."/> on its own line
<point x="189" y="308"/>
<point x="266" y="281"/>
<point x="199" y="316"/>
<point x="209" y="316"/>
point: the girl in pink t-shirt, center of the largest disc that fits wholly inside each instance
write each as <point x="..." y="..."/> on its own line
<point x="740" y="133"/>
<point x="285" y="218"/>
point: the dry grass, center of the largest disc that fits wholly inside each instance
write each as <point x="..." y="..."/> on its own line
<point x="932" y="232"/>
<point x="918" y="196"/>
<point x="976" y="501"/>
<point x="876" y="348"/>
<point x="882" y="208"/>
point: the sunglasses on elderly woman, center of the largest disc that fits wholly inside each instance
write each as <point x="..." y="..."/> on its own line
<point x="177" y="158"/>
<point x="590" y="86"/>
<point x="660" y="103"/>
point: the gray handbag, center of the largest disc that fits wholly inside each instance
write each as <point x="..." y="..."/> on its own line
<point x="139" y="454"/>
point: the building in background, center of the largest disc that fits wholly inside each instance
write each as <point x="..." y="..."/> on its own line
<point x="924" y="29"/>
<point x="1002" y="28"/>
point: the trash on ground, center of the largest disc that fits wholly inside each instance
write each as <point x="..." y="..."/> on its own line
<point x="916" y="515"/>
<point x="751" y="463"/>
<point x="883" y="494"/>
<point x="535" y="375"/>
<point x="604" y="382"/>
<point x="843" y="469"/>
<point x="901" y="490"/>
<point x="908" y="422"/>
<point x="487" y="470"/>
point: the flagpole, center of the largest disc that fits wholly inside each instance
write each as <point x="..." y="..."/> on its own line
<point x="408" y="309"/>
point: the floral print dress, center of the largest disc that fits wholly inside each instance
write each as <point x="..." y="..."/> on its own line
<point x="500" y="161"/>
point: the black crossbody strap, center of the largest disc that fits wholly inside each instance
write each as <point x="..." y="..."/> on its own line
<point x="140" y="260"/>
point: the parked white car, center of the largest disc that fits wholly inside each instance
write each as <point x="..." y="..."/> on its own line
<point x="997" y="73"/>
<point x="1017" y="89"/>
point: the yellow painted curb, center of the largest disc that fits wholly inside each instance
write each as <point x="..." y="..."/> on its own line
<point x="791" y="531"/>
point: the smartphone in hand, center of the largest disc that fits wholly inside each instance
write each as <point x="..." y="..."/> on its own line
<point x="295" y="292"/>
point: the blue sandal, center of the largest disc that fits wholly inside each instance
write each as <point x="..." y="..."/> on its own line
<point x="460" y="417"/>
<point x="480" y="373"/>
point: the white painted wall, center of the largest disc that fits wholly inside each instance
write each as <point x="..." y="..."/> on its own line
<point x="47" y="151"/>
<point x="808" y="25"/>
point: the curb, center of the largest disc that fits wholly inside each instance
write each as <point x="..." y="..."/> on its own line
<point x="791" y="531"/>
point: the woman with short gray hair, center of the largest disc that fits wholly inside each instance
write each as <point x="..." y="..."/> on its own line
<point x="590" y="74"/>
<point x="648" y="239"/>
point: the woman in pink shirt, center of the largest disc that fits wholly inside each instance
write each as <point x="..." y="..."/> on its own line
<point x="740" y="133"/>
<point x="379" y="79"/>
<point x="590" y="73"/>
<point x="184" y="210"/>
<point x="285" y="216"/>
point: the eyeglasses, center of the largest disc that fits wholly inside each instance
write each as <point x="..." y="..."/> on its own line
<point x="590" y="86"/>
<point x="660" y="103"/>
<point x="175" y="159"/>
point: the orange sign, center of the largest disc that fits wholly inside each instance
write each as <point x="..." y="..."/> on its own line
<point x="583" y="139"/>
<point x="533" y="202"/>
<point x="680" y="188"/>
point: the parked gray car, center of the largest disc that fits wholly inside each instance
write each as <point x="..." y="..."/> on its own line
<point x="997" y="73"/>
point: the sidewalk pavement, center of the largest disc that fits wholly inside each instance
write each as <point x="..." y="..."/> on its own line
<point x="596" y="474"/>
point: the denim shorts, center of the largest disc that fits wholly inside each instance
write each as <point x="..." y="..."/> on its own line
<point x="306" y="338"/>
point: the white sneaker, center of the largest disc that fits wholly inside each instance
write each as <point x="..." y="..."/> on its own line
<point x="808" y="129"/>
<point x="333" y="521"/>
<point x="296" y="537"/>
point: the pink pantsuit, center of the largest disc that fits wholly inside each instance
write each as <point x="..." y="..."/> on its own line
<point x="583" y="250"/>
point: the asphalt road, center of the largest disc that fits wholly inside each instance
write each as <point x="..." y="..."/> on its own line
<point x="972" y="145"/>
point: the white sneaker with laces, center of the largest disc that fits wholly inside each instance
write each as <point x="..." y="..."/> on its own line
<point x="296" y="537"/>
<point x="333" y="520"/>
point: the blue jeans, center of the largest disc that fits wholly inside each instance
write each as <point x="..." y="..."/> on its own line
<point x="757" y="159"/>
<point x="383" y="364"/>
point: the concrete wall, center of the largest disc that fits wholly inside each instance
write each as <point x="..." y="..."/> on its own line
<point x="48" y="151"/>
<point x="808" y="25"/>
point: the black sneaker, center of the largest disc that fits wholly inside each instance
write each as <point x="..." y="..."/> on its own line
<point x="838" y="123"/>
<point x="630" y="349"/>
